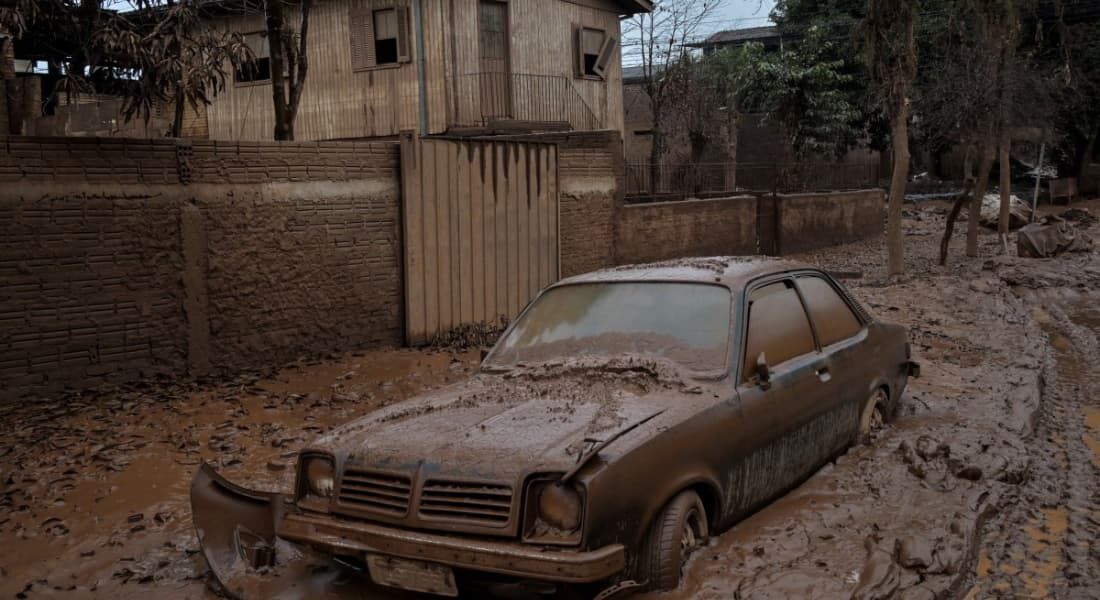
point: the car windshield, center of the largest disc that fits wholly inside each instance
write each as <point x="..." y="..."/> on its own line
<point x="688" y="323"/>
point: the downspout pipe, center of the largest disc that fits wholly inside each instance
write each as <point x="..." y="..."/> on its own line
<point x="418" y="17"/>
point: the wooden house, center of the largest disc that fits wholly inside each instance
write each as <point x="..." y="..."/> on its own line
<point x="380" y="67"/>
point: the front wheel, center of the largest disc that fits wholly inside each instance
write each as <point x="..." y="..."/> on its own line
<point x="678" y="530"/>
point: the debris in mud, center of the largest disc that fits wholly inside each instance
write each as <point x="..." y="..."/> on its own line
<point x="470" y="335"/>
<point x="1018" y="215"/>
<point x="1051" y="237"/>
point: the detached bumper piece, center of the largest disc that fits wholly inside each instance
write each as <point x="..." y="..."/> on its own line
<point x="235" y="526"/>
<point x="505" y="558"/>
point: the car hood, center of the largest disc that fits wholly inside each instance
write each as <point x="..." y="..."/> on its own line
<point x="501" y="427"/>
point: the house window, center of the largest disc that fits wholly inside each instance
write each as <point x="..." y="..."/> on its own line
<point x="594" y="50"/>
<point x="379" y="38"/>
<point x="259" y="68"/>
<point x="385" y="36"/>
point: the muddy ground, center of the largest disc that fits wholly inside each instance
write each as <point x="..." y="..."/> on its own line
<point x="987" y="484"/>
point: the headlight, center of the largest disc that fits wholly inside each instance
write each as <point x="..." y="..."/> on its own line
<point x="319" y="474"/>
<point x="560" y="506"/>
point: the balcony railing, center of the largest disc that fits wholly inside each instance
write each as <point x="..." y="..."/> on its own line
<point x="480" y="99"/>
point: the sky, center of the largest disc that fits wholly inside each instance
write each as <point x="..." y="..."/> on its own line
<point x="738" y="14"/>
<point x="734" y="14"/>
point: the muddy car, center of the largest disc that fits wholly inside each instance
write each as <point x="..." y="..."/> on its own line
<point x="623" y="417"/>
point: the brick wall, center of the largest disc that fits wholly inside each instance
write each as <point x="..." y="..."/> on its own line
<point x="808" y="221"/>
<point x="114" y="270"/>
<point x="663" y="230"/>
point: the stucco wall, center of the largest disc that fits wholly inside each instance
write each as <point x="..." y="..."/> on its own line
<point x="115" y="270"/>
<point x="808" y="221"/>
<point x="663" y="230"/>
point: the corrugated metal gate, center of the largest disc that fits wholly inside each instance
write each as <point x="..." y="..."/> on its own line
<point x="480" y="230"/>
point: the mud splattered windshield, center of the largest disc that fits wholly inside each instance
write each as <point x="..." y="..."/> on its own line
<point x="688" y="323"/>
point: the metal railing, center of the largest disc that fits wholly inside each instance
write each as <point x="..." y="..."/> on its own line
<point x="686" y="179"/>
<point x="478" y="99"/>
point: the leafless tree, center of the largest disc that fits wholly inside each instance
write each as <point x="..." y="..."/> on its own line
<point x="977" y="91"/>
<point x="892" y="59"/>
<point x="659" y="37"/>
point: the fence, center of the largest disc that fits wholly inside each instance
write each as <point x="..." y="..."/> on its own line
<point x="692" y="179"/>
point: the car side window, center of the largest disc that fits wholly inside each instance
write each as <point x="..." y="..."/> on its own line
<point x="832" y="316"/>
<point x="778" y="326"/>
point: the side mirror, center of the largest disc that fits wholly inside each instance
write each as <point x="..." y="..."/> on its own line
<point x="763" y="373"/>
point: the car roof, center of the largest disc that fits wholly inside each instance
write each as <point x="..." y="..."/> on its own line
<point x="732" y="271"/>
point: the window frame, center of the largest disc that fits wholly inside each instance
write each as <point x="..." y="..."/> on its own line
<point x="746" y="306"/>
<point x="255" y="82"/>
<point x="606" y="54"/>
<point x="361" y="32"/>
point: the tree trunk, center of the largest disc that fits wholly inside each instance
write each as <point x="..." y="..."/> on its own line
<point x="656" y="149"/>
<point x="177" y="116"/>
<point x="275" y="24"/>
<point x="1086" y="159"/>
<point x="980" y="187"/>
<point x="956" y="208"/>
<point x="899" y="138"/>
<point x="1006" y="189"/>
<point x="733" y="127"/>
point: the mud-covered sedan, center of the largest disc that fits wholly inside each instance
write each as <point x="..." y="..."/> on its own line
<point x="623" y="416"/>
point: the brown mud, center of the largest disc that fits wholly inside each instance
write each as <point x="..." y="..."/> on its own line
<point x="985" y="484"/>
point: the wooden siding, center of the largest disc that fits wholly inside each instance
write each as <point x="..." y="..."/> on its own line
<point x="340" y="102"/>
<point x="480" y="230"/>
<point x="542" y="47"/>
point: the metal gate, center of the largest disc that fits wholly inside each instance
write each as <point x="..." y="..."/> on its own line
<point x="480" y="230"/>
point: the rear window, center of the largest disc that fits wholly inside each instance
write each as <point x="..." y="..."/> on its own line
<point x="688" y="323"/>
<point x="833" y="318"/>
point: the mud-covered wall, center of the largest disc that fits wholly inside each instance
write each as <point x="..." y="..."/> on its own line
<point x="591" y="174"/>
<point x="808" y="221"/>
<point x="115" y="267"/>
<point x="663" y="230"/>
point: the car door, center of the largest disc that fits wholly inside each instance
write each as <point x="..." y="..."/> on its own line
<point x="840" y="335"/>
<point x="774" y="415"/>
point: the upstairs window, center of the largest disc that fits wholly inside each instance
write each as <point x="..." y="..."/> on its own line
<point x="379" y="37"/>
<point x="257" y="70"/>
<point x="385" y="36"/>
<point x="594" y="50"/>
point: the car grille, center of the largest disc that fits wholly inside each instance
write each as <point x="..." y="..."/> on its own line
<point x="472" y="502"/>
<point x="376" y="491"/>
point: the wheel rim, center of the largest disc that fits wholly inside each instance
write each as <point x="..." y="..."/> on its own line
<point x="872" y="418"/>
<point x="691" y="534"/>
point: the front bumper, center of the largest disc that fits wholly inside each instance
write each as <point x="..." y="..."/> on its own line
<point x="238" y="528"/>
<point x="340" y="536"/>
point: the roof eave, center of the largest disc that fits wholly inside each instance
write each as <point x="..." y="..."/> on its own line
<point x="633" y="7"/>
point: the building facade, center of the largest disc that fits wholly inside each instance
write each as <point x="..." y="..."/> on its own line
<point x="381" y="67"/>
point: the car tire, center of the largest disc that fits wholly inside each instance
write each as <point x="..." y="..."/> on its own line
<point x="873" y="416"/>
<point x="680" y="528"/>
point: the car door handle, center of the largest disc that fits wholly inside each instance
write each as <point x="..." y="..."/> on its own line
<point x="823" y="374"/>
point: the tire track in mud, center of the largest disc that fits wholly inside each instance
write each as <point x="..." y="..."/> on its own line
<point x="1047" y="543"/>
